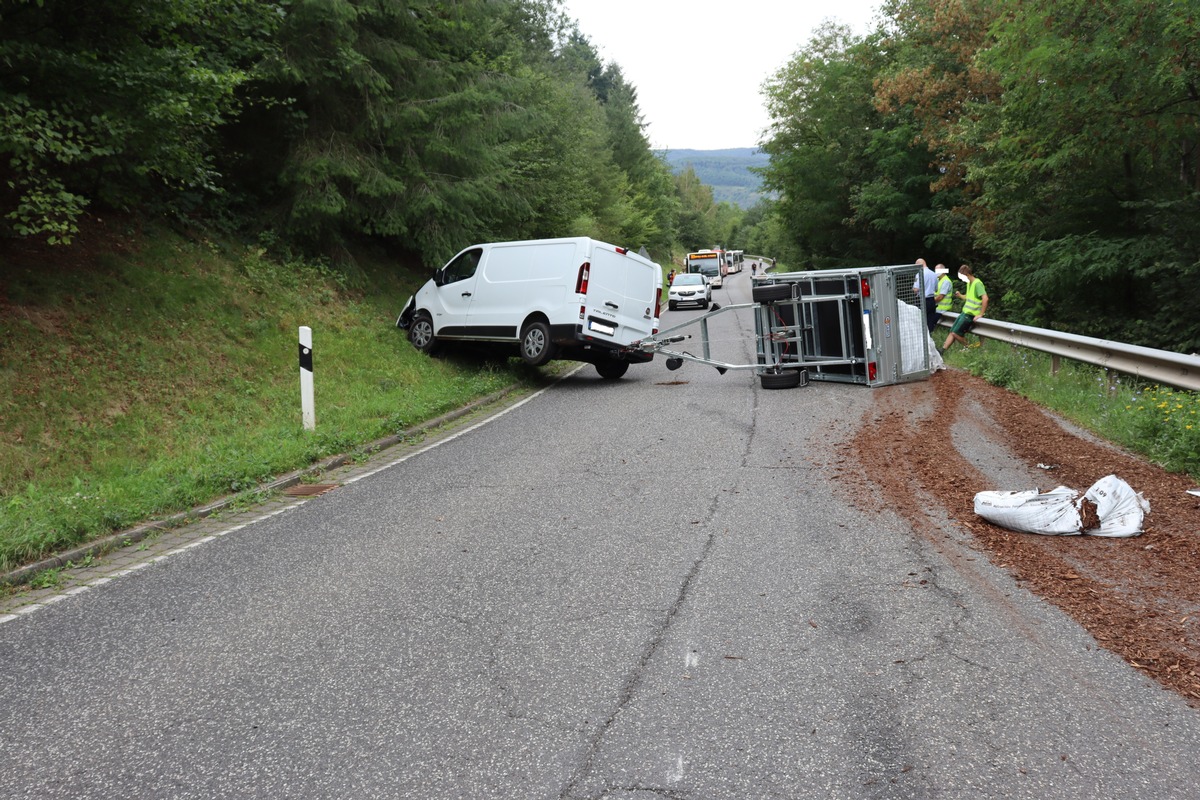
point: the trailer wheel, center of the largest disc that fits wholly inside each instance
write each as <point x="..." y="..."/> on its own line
<point x="536" y="347"/>
<point x="612" y="368"/>
<point x="787" y="379"/>
<point x="420" y="333"/>
<point x="771" y="292"/>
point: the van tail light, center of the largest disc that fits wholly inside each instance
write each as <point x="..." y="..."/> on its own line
<point x="871" y="371"/>
<point x="585" y="273"/>
<point x="866" y="288"/>
<point x="622" y="250"/>
<point x="582" y="312"/>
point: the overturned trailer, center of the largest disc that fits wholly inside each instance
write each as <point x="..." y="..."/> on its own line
<point x="864" y="325"/>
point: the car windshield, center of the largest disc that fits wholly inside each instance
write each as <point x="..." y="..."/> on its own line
<point x="688" y="279"/>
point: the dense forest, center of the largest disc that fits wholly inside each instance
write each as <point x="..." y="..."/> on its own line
<point x="312" y="125"/>
<point x="1054" y="144"/>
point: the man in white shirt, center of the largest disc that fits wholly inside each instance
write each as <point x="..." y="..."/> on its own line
<point x="926" y="284"/>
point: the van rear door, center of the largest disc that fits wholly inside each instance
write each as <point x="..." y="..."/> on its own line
<point x="622" y="290"/>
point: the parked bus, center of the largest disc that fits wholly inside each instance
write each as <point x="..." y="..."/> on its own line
<point x="706" y="257"/>
<point x="733" y="261"/>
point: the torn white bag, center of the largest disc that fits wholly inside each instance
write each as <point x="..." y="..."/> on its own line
<point x="1057" y="512"/>
<point x="1120" y="508"/>
<point x="1053" y="513"/>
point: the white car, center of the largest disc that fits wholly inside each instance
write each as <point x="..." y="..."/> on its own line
<point x="689" y="288"/>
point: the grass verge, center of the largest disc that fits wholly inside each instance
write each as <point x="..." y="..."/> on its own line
<point x="146" y="373"/>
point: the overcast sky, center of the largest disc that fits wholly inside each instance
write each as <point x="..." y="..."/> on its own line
<point x="746" y="42"/>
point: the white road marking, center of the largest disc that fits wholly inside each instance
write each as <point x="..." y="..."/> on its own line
<point x="676" y="773"/>
<point x="32" y="607"/>
<point x="463" y="432"/>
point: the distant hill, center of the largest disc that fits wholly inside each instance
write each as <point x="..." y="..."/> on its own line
<point x="726" y="171"/>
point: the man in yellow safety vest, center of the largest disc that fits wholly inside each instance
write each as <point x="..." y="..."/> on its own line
<point x="975" y="303"/>
<point x="944" y="295"/>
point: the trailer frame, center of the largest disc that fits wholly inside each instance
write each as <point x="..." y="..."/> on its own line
<point x="864" y="326"/>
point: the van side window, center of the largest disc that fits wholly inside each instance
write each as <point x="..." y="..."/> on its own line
<point x="464" y="266"/>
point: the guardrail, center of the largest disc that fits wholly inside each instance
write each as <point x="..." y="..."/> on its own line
<point x="1161" y="366"/>
<point x="767" y="260"/>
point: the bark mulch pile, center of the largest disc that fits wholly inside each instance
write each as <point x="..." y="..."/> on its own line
<point x="1139" y="597"/>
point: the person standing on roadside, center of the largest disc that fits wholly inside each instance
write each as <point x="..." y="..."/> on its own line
<point x="944" y="296"/>
<point x="926" y="285"/>
<point x="975" y="303"/>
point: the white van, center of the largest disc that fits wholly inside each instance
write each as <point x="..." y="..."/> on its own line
<point x="577" y="299"/>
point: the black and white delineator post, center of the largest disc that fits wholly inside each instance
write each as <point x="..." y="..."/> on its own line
<point x="306" y="379"/>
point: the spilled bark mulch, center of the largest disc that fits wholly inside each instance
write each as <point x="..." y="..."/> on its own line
<point x="1138" y="597"/>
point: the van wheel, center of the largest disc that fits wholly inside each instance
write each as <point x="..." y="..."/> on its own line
<point x="420" y="333"/>
<point x="786" y="379"/>
<point x="612" y="369"/>
<point x="536" y="347"/>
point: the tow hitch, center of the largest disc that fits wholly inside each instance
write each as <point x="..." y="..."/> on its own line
<point x="773" y="374"/>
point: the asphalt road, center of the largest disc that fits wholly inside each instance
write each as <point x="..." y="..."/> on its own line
<point x="654" y="587"/>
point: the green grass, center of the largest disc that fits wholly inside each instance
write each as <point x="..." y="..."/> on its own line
<point x="136" y="385"/>
<point x="1158" y="422"/>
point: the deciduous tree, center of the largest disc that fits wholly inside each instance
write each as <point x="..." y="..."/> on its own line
<point x="113" y="103"/>
<point x="1090" y="165"/>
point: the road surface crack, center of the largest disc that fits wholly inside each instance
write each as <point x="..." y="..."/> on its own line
<point x="629" y="688"/>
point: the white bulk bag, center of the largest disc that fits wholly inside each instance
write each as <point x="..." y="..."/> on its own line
<point x="913" y="329"/>
<point x="1057" y="512"/>
<point x="1054" y="513"/>
<point x="1120" y="508"/>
